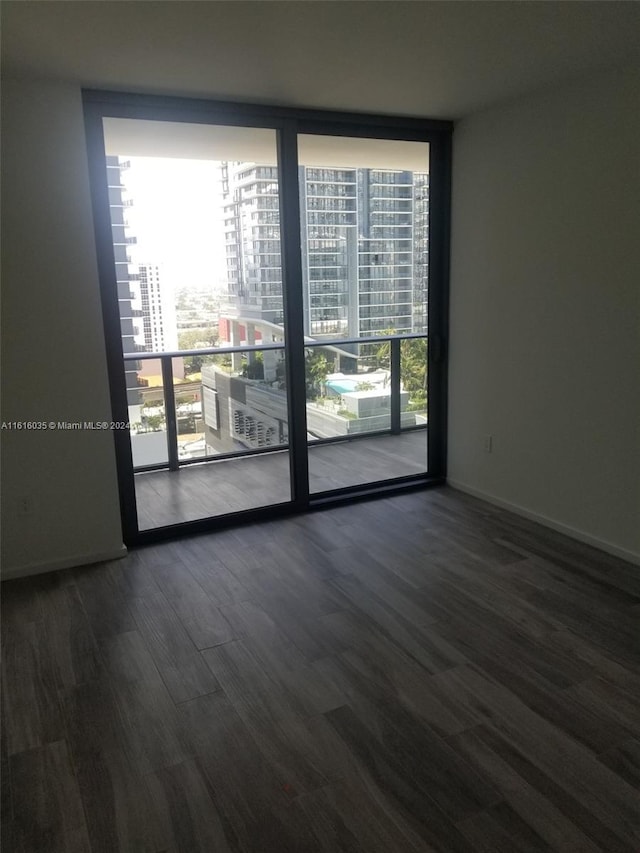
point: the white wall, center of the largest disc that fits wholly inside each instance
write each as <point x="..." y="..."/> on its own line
<point x="545" y="343"/>
<point x="53" y="359"/>
<point x="545" y="308"/>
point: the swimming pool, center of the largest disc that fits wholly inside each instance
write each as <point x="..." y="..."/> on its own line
<point x="342" y="386"/>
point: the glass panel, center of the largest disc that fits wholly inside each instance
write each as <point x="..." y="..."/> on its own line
<point x="234" y="406"/>
<point x="364" y="207"/>
<point x="148" y="425"/>
<point x="413" y="377"/>
<point x="349" y="394"/>
<point x="348" y="390"/>
<point x="195" y="223"/>
<point x="368" y="459"/>
<point x="242" y="405"/>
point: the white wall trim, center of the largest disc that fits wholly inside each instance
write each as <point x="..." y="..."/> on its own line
<point x="581" y="536"/>
<point x="68" y="563"/>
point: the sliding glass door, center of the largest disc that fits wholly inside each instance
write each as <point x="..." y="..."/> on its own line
<point x="274" y="306"/>
<point x="364" y="206"/>
<point x="196" y="229"/>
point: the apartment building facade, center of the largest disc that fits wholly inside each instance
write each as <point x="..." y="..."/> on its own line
<point x="126" y="276"/>
<point x="159" y="325"/>
<point x="364" y="249"/>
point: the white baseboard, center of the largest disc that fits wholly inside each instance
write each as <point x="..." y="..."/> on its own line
<point x="68" y="563"/>
<point x="572" y="532"/>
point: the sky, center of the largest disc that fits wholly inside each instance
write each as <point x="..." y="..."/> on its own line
<point x="176" y="217"/>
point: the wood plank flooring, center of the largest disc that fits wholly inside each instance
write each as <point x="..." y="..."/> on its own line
<point x="231" y="485"/>
<point x="419" y="673"/>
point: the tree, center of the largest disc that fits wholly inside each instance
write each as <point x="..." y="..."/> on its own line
<point x="207" y="336"/>
<point x="182" y="301"/>
<point x="413" y="355"/>
<point x="193" y="364"/>
<point x="316" y="370"/>
<point x="413" y="367"/>
<point x="154" y="422"/>
<point x="382" y="352"/>
<point x="254" y="369"/>
<point x="196" y="339"/>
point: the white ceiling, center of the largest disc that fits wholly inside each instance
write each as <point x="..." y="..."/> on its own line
<point x="405" y="57"/>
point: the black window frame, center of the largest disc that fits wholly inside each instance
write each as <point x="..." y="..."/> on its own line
<point x="288" y="123"/>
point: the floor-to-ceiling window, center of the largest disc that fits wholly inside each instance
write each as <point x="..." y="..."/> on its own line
<point x="274" y="298"/>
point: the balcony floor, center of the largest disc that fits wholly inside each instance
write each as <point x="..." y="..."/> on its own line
<point x="232" y="485"/>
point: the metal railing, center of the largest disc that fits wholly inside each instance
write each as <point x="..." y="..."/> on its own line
<point x="335" y="344"/>
<point x="168" y="391"/>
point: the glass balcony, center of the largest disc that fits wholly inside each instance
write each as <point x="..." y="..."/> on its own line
<point x="366" y="419"/>
<point x="372" y="390"/>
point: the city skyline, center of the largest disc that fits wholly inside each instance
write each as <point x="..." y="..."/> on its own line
<point x="177" y="213"/>
<point x="364" y="245"/>
<point x="364" y="265"/>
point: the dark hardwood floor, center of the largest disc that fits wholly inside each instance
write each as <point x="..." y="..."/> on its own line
<point x="231" y="485"/>
<point x="420" y="673"/>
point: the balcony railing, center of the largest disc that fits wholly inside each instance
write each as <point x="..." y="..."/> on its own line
<point x="388" y="412"/>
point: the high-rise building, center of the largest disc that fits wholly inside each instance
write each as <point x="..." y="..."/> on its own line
<point x="365" y="245"/>
<point x="364" y="272"/>
<point x="126" y="279"/>
<point x="158" y="311"/>
<point x="147" y="322"/>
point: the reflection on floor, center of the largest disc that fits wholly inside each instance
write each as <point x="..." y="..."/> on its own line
<point x="216" y="488"/>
